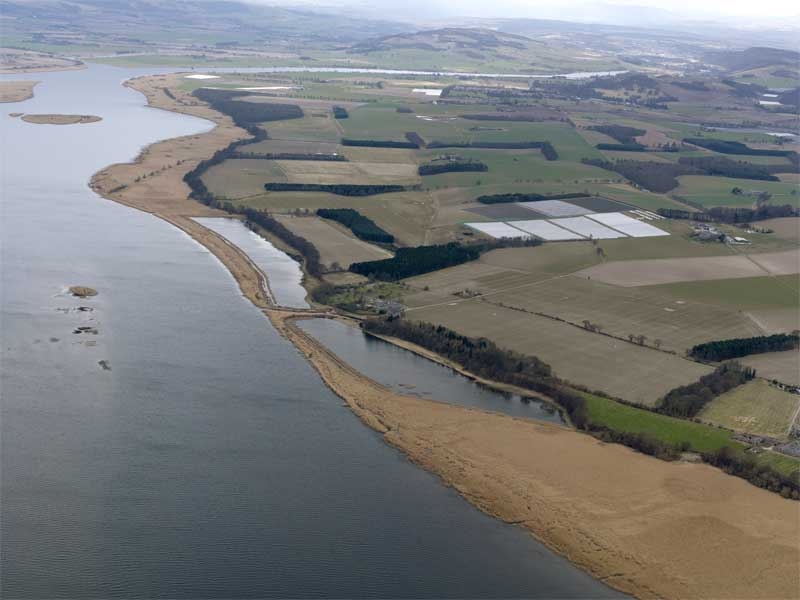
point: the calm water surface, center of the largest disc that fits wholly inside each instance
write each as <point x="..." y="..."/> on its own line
<point x="283" y="273"/>
<point x="209" y="461"/>
<point x="408" y="373"/>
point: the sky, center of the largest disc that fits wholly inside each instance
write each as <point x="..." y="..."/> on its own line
<point x="686" y="8"/>
<point x="583" y="10"/>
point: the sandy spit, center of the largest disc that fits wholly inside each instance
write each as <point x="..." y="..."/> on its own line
<point x="647" y="527"/>
<point x="16" y="91"/>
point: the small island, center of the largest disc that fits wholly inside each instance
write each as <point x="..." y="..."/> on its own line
<point x="61" y="119"/>
<point x="82" y="291"/>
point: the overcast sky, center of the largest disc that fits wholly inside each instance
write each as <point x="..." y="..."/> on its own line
<point x="585" y="10"/>
<point x="738" y="8"/>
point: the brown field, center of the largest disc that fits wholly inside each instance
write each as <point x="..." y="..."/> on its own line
<point x="787" y="228"/>
<point x="778" y="263"/>
<point x="500" y="270"/>
<point x="756" y="407"/>
<point x="317" y="171"/>
<point x="595" y="361"/>
<point x="669" y="270"/>
<point x="533" y="279"/>
<point x="334" y="245"/>
<point x="776" y="320"/>
<point x="654" y="137"/>
<point x="782" y="366"/>
<point x="60" y="119"/>
<point x="16" y="91"/>
<point x="678" y="324"/>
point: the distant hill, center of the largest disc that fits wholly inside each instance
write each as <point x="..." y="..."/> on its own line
<point x="470" y="41"/>
<point x="753" y="58"/>
<point x="185" y="21"/>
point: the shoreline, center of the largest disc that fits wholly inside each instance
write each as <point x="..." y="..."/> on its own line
<point x="652" y="531"/>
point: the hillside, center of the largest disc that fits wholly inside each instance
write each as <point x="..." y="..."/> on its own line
<point x="222" y="22"/>
<point x="753" y="58"/>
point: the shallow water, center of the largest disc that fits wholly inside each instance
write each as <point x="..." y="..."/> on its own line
<point x="283" y="273"/>
<point x="408" y="373"/>
<point x="209" y="461"/>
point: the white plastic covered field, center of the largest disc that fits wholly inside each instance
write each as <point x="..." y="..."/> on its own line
<point x="626" y="224"/>
<point x="556" y="208"/>
<point x="546" y="230"/>
<point x="586" y="227"/>
<point x="498" y="230"/>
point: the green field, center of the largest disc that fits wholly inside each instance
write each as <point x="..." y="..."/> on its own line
<point x="756" y="407"/>
<point x="747" y="293"/>
<point x="698" y="436"/>
<point x="620" y="417"/>
<point x="716" y="191"/>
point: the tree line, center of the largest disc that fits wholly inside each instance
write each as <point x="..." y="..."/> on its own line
<point x="415" y="138"/>
<point x="246" y="113"/>
<point x="737" y="347"/>
<point x="731" y="147"/>
<point x="725" y="167"/>
<point x="740" y="465"/>
<point x="485" y="359"/>
<point x="655" y="176"/>
<point x="307" y="249"/>
<point x="547" y="149"/>
<point x="291" y="156"/>
<point x="461" y="166"/>
<point x="408" y="262"/>
<point x="725" y="214"/>
<point x="688" y="400"/>
<point x="361" y="226"/>
<point x="632" y="147"/>
<point x="527" y="197"/>
<point x="622" y="133"/>
<point x="379" y="144"/>
<point x="341" y="189"/>
<point x="662" y="177"/>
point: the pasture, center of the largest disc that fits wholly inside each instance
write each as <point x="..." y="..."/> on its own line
<point x="747" y="293"/>
<point x="756" y="407"/>
<point x="335" y="245"/>
<point x="633" y="373"/>
<point x="242" y="177"/>
<point x="716" y="191"/>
